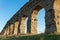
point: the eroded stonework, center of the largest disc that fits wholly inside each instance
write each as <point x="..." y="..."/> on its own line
<point x="16" y="25"/>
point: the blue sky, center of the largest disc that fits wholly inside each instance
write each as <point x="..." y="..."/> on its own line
<point x="9" y="7"/>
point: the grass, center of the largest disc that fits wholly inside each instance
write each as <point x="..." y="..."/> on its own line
<point x="32" y="37"/>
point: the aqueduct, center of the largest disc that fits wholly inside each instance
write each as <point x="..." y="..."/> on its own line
<point x="52" y="22"/>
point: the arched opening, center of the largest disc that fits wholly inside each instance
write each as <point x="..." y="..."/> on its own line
<point x="37" y="20"/>
<point x="10" y="29"/>
<point x="26" y="25"/>
<point x="23" y="25"/>
<point x="41" y="21"/>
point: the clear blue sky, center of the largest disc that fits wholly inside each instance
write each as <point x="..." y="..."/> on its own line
<point x="9" y="7"/>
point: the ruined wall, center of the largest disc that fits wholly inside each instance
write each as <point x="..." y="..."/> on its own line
<point x="16" y="25"/>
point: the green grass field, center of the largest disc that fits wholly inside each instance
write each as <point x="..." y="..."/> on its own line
<point x="32" y="37"/>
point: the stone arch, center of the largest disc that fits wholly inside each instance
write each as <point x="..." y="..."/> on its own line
<point x="16" y="23"/>
<point x="34" y="19"/>
<point x="22" y="25"/>
<point x="11" y="28"/>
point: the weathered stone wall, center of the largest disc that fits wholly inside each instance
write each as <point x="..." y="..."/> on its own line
<point x="16" y="25"/>
<point x="57" y="15"/>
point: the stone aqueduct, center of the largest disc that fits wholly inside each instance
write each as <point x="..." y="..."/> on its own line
<point x="52" y="18"/>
